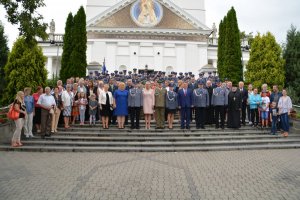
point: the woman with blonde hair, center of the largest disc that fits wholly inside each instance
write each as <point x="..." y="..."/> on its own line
<point x="121" y="105"/>
<point x="106" y="103"/>
<point x="19" y="106"/>
<point x="148" y="104"/>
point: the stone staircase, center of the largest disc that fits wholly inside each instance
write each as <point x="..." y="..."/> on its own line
<point x="95" y="139"/>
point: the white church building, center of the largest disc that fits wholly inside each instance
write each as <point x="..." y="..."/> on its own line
<point x="160" y="35"/>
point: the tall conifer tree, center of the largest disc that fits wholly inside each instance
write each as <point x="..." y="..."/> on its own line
<point x="221" y="42"/>
<point x="67" y="48"/>
<point x="291" y="54"/>
<point x="3" y="59"/>
<point x="78" y="56"/>
<point x="229" y="48"/>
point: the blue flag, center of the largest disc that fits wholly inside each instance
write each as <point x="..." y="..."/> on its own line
<point x="104" y="67"/>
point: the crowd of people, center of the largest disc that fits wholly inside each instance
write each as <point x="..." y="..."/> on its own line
<point x="117" y="98"/>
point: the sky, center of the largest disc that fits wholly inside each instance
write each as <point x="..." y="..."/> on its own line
<point x="254" y="16"/>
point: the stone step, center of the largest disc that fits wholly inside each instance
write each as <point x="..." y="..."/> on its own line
<point x="153" y="133"/>
<point x="162" y="143"/>
<point x="147" y="149"/>
<point x="160" y="138"/>
<point x="193" y="129"/>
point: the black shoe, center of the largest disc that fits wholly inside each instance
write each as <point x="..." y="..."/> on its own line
<point x="217" y="127"/>
<point x="182" y="128"/>
<point x="48" y="135"/>
<point x="42" y="136"/>
<point x="132" y="127"/>
<point x="188" y="127"/>
<point x="202" y="127"/>
<point x="223" y="127"/>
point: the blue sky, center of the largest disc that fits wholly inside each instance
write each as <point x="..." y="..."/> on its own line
<point x="253" y="16"/>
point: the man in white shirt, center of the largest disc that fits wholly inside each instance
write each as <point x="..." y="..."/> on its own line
<point x="48" y="104"/>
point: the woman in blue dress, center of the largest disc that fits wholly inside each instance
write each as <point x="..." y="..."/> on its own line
<point x="121" y="105"/>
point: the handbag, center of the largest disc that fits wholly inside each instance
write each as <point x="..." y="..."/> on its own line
<point x="12" y="114"/>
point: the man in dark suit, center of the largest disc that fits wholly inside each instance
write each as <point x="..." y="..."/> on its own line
<point x="185" y="103"/>
<point x="244" y="94"/>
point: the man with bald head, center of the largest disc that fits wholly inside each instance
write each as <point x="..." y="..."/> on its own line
<point x="47" y="103"/>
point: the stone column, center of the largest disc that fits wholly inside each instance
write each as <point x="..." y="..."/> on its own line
<point x="50" y="67"/>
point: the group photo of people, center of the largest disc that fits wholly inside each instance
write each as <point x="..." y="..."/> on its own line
<point x="122" y="100"/>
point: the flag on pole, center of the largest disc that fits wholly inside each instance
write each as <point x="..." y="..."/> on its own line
<point x="104" y="67"/>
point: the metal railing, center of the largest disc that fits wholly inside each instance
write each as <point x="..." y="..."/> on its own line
<point x="3" y="114"/>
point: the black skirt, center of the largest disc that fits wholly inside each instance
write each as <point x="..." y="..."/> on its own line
<point x="105" y="112"/>
<point x="171" y="111"/>
<point x="37" y="116"/>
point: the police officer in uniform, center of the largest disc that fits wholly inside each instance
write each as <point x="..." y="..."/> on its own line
<point x="200" y="102"/>
<point x="220" y="100"/>
<point x="135" y="102"/>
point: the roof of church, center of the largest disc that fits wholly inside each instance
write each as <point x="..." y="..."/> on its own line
<point x="190" y="25"/>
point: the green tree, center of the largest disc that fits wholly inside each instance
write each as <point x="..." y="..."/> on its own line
<point x="25" y="68"/>
<point x="221" y="49"/>
<point x="291" y="54"/>
<point x="24" y="13"/>
<point x="3" y="59"/>
<point x="67" y="49"/>
<point x="77" y="64"/>
<point x="229" y="48"/>
<point x="266" y="64"/>
<point x="233" y="53"/>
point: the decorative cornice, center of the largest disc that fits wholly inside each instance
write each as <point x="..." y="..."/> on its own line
<point x="147" y="30"/>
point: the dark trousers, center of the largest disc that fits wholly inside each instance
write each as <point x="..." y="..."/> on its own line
<point x="185" y="114"/>
<point x="200" y="117"/>
<point x="210" y="113"/>
<point x="284" y="121"/>
<point x="274" y="124"/>
<point x="46" y="119"/>
<point x="135" y="114"/>
<point x="254" y="116"/>
<point x="244" y="108"/>
<point x="219" y="115"/>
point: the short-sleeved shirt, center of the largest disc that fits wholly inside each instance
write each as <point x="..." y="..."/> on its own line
<point x="46" y="100"/>
<point x="265" y="102"/>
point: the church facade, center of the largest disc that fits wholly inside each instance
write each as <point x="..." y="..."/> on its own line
<point x="153" y="35"/>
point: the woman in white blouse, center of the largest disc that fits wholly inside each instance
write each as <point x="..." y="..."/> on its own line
<point x="106" y="103"/>
<point x="285" y="105"/>
<point x="67" y="100"/>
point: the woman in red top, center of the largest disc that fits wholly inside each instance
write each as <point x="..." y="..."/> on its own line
<point x="37" y="109"/>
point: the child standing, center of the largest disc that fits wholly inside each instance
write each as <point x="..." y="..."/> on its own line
<point x="93" y="104"/>
<point x="82" y="102"/>
<point x="274" y="118"/>
<point x="265" y="110"/>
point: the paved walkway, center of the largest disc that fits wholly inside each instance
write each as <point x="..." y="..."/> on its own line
<point x="273" y="174"/>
